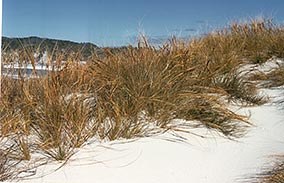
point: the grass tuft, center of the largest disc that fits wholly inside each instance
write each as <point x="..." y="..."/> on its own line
<point x="273" y="173"/>
<point x="163" y="85"/>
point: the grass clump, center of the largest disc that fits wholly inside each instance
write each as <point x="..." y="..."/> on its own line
<point x="160" y="84"/>
<point x="239" y="89"/>
<point x="275" y="78"/>
<point x="270" y="174"/>
<point x="52" y="109"/>
<point x="58" y="112"/>
<point x="13" y="163"/>
<point x="261" y="39"/>
<point x="254" y="41"/>
<point x="7" y="166"/>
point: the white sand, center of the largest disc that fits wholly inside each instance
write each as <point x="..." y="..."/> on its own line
<point x="157" y="160"/>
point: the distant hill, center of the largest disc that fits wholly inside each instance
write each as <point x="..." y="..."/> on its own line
<point x="46" y="44"/>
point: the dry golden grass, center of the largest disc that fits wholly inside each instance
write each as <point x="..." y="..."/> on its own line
<point x="158" y="85"/>
<point x="240" y="89"/>
<point x="123" y="95"/>
<point x="8" y="169"/>
<point x="135" y="92"/>
<point x="254" y="41"/>
<point x="13" y="164"/>
<point x="273" y="173"/>
<point x="52" y="109"/>
<point x="275" y="78"/>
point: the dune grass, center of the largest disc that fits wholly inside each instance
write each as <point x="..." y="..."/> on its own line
<point x="135" y="92"/>
<point x="14" y="164"/>
<point x="271" y="173"/>
<point x="7" y="166"/>
<point x="274" y="78"/>
<point x="158" y="85"/>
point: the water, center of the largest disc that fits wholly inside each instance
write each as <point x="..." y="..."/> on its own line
<point x="27" y="71"/>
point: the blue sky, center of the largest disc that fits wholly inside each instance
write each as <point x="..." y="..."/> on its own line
<point x="117" y="22"/>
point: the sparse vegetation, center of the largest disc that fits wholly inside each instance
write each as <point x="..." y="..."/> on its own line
<point x="7" y="166"/>
<point x="274" y="78"/>
<point x="273" y="173"/>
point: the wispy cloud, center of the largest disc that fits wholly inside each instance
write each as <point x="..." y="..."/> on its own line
<point x="159" y="40"/>
<point x="190" y="30"/>
<point x="176" y="30"/>
<point x="181" y="30"/>
<point x="154" y="40"/>
<point x="200" y="22"/>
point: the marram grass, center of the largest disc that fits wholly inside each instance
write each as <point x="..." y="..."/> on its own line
<point x="134" y="92"/>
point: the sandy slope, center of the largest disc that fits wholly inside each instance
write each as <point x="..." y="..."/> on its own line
<point x="158" y="160"/>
